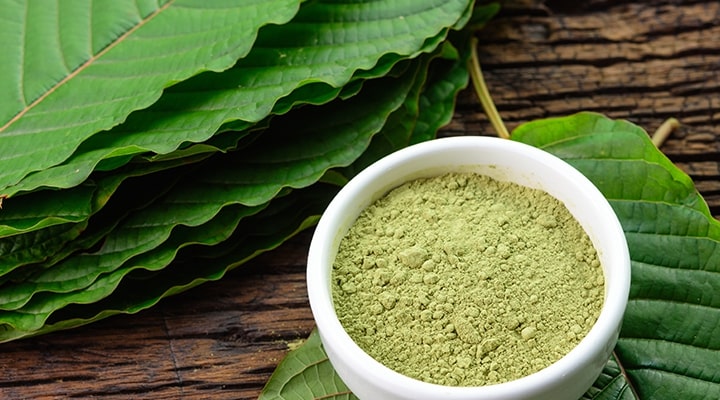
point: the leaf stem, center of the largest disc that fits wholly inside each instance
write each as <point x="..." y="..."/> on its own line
<point x="624" y="373"/>
<point x="483" y="93"/>
<point x="662" y="133"/>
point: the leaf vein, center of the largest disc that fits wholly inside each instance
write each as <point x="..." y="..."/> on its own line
<point x="83" y="66"/>
<point x="624" y="373"/>
<point x="331" y="395"/>
<point x="693" y="306"/>
<point x="655" y="234"/>
<point x="667" y="203"/>
<point x="57" y="37"/>
<point x="22" y="59"/>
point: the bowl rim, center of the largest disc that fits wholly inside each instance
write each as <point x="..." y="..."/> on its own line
<point x="324" y="239"/>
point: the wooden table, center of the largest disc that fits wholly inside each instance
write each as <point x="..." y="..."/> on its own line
<point x="643" y="61"/>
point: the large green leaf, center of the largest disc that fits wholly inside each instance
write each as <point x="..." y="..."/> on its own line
<point x="306" y="373"/>
<point x="326" y="42"/>
<point x="668" y="347"/>
<point x="71" y="69"/>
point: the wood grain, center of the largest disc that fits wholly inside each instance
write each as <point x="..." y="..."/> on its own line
<point x="644" y="61"/>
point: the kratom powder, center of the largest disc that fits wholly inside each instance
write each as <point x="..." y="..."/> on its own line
<point x="464" y="280"/>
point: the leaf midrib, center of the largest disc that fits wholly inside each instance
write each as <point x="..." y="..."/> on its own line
<point x="85" y="65"/>
<point x="624" y="373"/>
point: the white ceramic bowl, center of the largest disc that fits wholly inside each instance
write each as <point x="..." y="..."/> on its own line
<point x="504" y="160"/>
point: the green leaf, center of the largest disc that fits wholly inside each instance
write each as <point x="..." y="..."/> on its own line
<point x="669" y="343"/>
<point x="72" y="69"/>
<point x="438" y="97"/>
<point x="36" y="310"/>
<point x="397" y="130"/>
<point x="297" y="149"/>
<point x="306" y="373"/>
<point x="326" y="42"/>
<point x="611" y="384"/>
<point x="35" y="248"/>
<point x="37" y="211"/>
<point x="622" y="148"/>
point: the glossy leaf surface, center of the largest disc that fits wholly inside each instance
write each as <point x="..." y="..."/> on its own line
<point x="72" y="69"/>
<point x="668" y="346"/>
<point x="325" y="43"/>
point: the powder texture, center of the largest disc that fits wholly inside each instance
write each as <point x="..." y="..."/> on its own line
<point x="464" y="280"/>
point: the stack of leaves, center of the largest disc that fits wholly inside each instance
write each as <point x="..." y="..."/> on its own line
<point x="148" y="147"/>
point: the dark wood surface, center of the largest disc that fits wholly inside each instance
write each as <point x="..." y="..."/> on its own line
<point x="644" y="61"/>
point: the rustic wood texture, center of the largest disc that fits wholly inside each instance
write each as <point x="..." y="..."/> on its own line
<point x="644" y="61"/>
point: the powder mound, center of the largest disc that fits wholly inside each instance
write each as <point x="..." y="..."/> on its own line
<point x="413" y="257"/>
<point x="461" y="279"/>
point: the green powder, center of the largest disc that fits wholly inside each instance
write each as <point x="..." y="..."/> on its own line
<point x="464" y="280"/>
